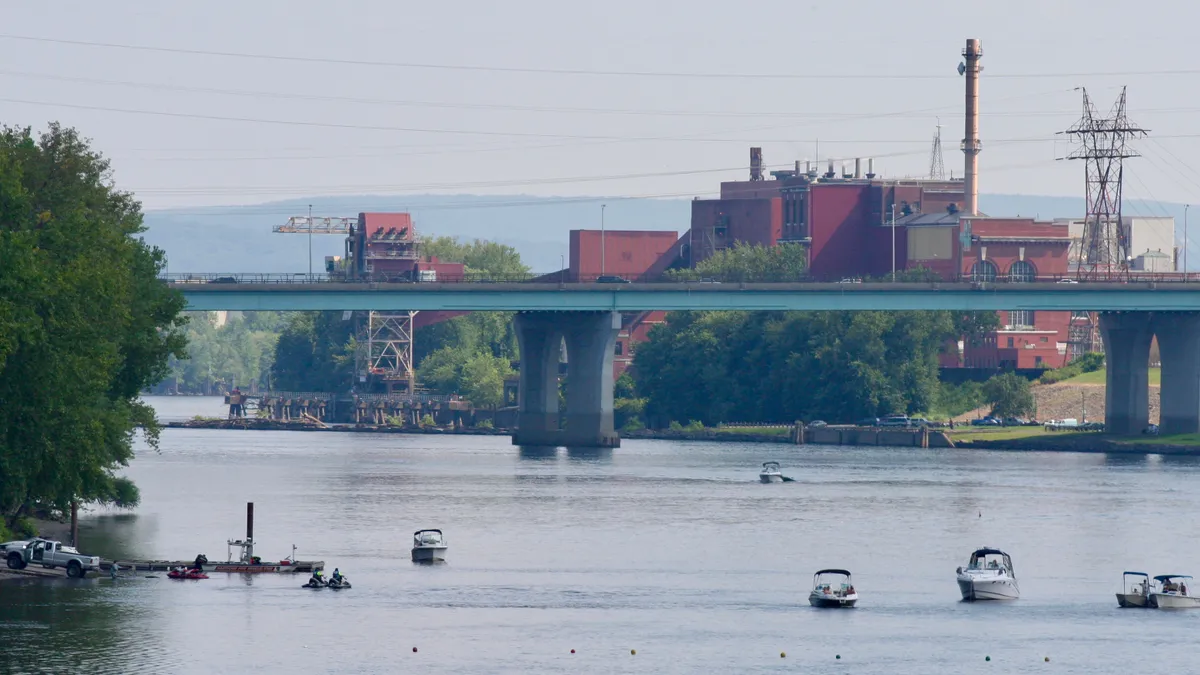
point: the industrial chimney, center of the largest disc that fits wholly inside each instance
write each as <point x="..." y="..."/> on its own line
<point x="858" y="167"/>
<point x="970" y="144"/>
<point x="756" y="164"/>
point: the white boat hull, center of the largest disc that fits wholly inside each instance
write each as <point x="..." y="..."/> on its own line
<point x="988" y="588"/>
<point x="830" y="601"/>
<point x="1172" y="601"/>
<point x="770" y="477"/>
<point x="1133" y="600"/>
<point x="429" y="553"/>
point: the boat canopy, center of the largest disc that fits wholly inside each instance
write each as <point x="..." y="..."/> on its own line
<point x="770" y="465"/>
<point x="429" y="530"/>
<point x="844" y="573"/>
<point x="988" y="551"/>
<point x="1168" y="577"/>
<point x="1136" y="574"/>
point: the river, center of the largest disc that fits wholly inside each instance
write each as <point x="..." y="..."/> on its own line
<point x="672" y="549"/>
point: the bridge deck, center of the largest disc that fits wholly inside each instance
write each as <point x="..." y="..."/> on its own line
<point x="1095" y="296"/>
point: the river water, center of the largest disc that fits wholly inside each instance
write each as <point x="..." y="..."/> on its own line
<point x="671" y="549"/>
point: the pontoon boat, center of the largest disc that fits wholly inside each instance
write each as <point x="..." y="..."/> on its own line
<point x="989" y="576"/>
<point x="832" y="588"/>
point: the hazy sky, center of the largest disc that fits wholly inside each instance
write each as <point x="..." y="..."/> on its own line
<point x="866" y="78"/>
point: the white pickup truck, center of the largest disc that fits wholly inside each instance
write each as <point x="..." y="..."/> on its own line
<point x="48" y="554"/>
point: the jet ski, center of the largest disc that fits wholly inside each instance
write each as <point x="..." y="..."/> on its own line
<point x="315" y="582"/>
<point x="341" y="582"/>
<point x="186" y="574"/>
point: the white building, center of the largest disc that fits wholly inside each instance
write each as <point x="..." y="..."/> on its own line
<point x="1151" y="239"/>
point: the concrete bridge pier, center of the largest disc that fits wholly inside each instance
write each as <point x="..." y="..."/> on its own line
<point x="1127" y="353"/>
<point x="1179" y="349"/>
<point x="590" y="338"/>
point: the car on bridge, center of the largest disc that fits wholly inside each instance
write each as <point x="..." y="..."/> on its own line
<point x="611" y="279"/>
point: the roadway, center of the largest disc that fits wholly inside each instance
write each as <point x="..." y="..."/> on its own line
<point x="483" y="296"/>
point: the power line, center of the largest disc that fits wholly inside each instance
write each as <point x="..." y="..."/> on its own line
<point x="571" y="71"/>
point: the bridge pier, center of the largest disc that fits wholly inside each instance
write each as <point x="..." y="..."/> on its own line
<point x="1127" y="354"/>
<point x="590" y="337"/>
<point x="1179" y="350"/>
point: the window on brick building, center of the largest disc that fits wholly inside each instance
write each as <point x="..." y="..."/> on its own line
<point x="983" y="270"/>
<point x="1020" y="318"/>
<point x="1022" y="270"/>
<point x="1010" y="343"/>
<point x="618" y="349"/>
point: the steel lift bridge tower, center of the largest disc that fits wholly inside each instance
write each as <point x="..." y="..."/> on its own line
<point x="384" y="340"/>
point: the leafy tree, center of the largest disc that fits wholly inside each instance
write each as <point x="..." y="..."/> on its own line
<point x="749" y="262"/>
<point x="483" y="259"/>
<point x="1009" y="395"/>
<point x="84" y="325"/>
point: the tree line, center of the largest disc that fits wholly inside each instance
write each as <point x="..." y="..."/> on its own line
<point x="85" y="326"/>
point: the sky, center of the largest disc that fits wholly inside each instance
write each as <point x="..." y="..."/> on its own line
<point x="243" y="102"/>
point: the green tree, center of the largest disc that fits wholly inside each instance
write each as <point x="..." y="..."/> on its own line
<point x="483" y="259"/>
<point x="84" y="325"/>
<point x="751" y="263"/>
<point x="1009" y="395"/>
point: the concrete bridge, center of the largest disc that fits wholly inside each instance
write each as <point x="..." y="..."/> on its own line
<point x="586" y="316"/>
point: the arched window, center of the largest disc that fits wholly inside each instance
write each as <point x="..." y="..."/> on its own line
<point x="983" y="270"/>
<point x="1022" y="270"/>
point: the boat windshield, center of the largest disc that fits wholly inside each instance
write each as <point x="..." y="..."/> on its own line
<point x="428" y="538"/>
<point x="770" y="466"/>
<point x="990" y="560"/>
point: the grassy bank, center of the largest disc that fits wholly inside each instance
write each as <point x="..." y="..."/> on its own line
<point x="1098" y="377"/>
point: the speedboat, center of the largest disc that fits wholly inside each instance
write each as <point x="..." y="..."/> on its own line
<point x="832" y="588"/>
<point x="192" y="573"/>
<point x="989" y="576"/>
<point x="1137" y="588"/>
<point x="428" y="546"/>
<point x="770" y="473"/>
<point x="1173" y="593"/>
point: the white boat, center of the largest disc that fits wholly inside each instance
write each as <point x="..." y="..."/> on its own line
<point x="988" y="576"/>
<point x="428" y="546"/>
<point x="832" y="588"/>
<point x="770" y="473"/>
<point x="1136" y="589"/>
<point x="1173" y="593"/>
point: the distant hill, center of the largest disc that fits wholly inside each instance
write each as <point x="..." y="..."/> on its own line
<point x="239" y="238"/>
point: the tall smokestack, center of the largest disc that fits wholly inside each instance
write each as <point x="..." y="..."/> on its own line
<point x="858" y="167"/>
<point x="971" y="145"/>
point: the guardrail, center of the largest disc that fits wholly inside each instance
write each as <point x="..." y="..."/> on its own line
<point x="557" y="277"/>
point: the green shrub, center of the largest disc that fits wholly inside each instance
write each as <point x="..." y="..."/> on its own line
<point x="694" y="425"/>
<point x="485" y="424"/>
<point x="633" y="424"/>
<point x="675" y="426"/>
<point x="428" y="421"/>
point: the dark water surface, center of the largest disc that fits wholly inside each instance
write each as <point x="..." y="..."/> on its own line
<point x="672" y="549"/>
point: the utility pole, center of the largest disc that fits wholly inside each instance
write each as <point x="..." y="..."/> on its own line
<point x="602" y="207"/>
<point x="1185" y="270"/>
<point x="893" y="237"/>
<point x="310" y="226"/>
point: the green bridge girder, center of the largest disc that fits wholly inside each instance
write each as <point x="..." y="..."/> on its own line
<point x="332" y="296"/>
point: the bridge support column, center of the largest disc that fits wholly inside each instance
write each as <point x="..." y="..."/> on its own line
<point x="540" y="341"/>
<point x="1127" y="353"/>
<point x="590" y="341"/>
<point x="1179" y="349"/>
<point x="590" y="337"/>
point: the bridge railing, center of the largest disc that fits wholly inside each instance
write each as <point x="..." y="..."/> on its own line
<point x="615" y="279"/>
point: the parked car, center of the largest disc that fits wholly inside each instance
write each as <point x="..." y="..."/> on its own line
<point x="895" y="421"/>
<point x="49" y="554"/>
<point x="817" y="424"/>
<point x="988" y="421"/>
<point x="224" y="280"/>
<point x="611" y="279"/>
<point x="918" y="422"/>
<point x="1015" y="422"/>
<point x="867" y="422"/>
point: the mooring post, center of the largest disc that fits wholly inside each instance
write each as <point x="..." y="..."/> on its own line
<point x="249" y="521"/>
<point x="75" y="523"/>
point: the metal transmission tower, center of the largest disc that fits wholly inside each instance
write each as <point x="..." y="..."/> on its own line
<point x="937" y="170"/>
<point x="383" y="340"/>
<point x="1104" y="145"/>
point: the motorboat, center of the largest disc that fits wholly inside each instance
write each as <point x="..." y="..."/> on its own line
<point x="988" y="576"/>
<point x="832" y="588"/>
<point x="1173" y="593"/>
<point x="428" y="546"/>
<point x="770" y="473"/>
<point x="192" y="573"/>
<point x="1136" y="590"/>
